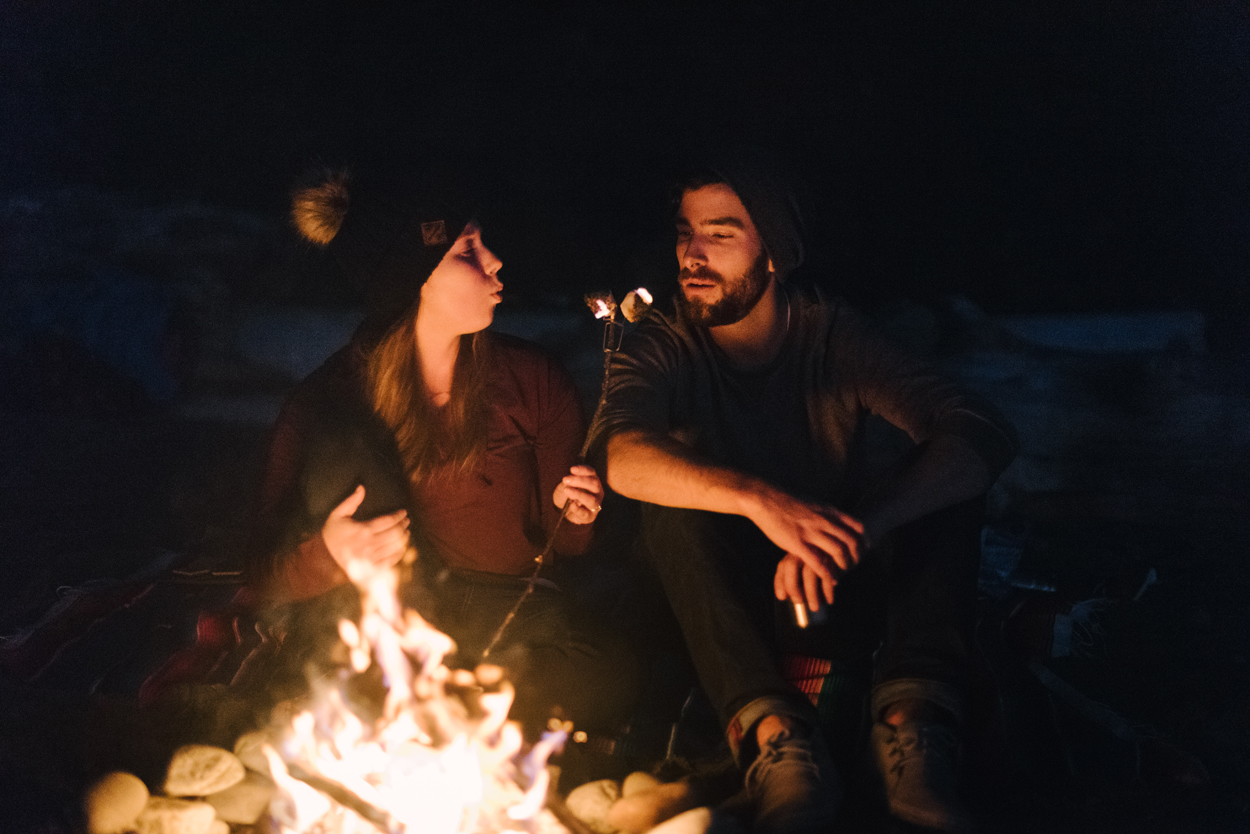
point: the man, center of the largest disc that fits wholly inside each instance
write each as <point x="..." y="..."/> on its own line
<point x="739" y="420"/>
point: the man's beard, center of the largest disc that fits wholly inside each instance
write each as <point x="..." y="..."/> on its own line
<point x="738" y="295"/>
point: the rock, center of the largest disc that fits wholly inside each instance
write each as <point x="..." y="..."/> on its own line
<point x="244" y="801"/>
<point x="200" y="770"/>
<point x="637" y="782"/>
<point x="248" y="750"/>
<point x="166" y="815"/>
<point x="591" y="803"/>
<point x="647" y="808"/>
<point x="694" y="821"/>
<point x="113" y="802"/>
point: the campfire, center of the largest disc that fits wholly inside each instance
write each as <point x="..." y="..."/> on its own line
<point x="440" y="757"/>
<point x="432" y="752"/>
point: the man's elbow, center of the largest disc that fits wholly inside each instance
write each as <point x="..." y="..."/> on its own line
<point x="968" y="473"/>
<point x="619" y="464"/>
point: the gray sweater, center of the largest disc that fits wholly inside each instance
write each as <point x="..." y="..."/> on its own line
<point x="800" y="421"/>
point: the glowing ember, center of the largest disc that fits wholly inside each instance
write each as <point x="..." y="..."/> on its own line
<point x="439" y="758"/>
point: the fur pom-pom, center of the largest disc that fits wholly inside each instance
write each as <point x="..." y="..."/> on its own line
<point x="318" y="210"/>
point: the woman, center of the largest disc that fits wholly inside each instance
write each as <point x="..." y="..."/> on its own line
<point x="427" y="430"/>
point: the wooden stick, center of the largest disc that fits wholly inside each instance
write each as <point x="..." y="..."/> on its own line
<point x="609" y="347"/>
<point x="380" y="819"/>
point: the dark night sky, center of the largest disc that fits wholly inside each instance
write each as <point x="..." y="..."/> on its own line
<point x="1034" y="156"/>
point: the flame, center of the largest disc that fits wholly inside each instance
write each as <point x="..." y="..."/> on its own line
<point x="644" y="294"/>
<point x="602" y="304"/>
<point x="440" y="758"/>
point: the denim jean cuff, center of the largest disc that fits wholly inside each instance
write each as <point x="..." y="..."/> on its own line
<point x="741" y="729"/>
<point x="935" y="692"/>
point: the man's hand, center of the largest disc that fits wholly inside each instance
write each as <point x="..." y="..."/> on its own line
<point x="382" y="541"/>
<point x="800" y="584"/>
<point x="654" y="467"/>
<point x="820" y="542"/>
<point x="584" y="492"/>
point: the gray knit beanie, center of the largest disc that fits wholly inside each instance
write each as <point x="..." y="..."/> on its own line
<point x="763" y="190"/>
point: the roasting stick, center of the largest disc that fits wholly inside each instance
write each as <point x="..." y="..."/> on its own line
<point x="377" y="817"/>
<point x="604" y="306"/>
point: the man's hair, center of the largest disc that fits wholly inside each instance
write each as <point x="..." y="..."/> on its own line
<point x="757" y="181"/>
<point x="692" y="180"/>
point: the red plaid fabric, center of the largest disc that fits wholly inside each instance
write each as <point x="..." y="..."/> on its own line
<point x="806" y="673"/>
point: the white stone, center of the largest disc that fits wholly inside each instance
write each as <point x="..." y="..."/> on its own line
<point x="591" y="802"/>
<point x="694" y="821"/>
<point x="248" y="749"/>
<point x="244" y="801"/>
<point x="637" y="782"/>
<point x="648" y="807"/>
<point x="166" y="815"/>
<point x="113" y="802"/>
<point x="199" y="770"/>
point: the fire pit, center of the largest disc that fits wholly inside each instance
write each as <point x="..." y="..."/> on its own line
<point x="394" y="742"/>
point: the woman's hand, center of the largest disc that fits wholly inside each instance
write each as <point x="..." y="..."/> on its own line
<point x="381" y="541"/>
<point x="584" y="492"/>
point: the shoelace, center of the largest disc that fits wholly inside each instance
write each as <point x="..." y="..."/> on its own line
<point x="775" y="751"/>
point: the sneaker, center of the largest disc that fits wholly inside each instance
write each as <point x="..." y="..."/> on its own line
<point x="793" y="786"/>
<point x="919" y="761"/>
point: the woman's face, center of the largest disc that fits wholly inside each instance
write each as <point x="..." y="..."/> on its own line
<point x="462" y="291"/>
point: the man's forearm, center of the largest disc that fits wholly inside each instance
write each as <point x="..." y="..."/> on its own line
<point x="655" y="468"/>
<point x="948" y="472"/>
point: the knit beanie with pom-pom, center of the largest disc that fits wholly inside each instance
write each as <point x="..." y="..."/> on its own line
<point x="385" y="238"/>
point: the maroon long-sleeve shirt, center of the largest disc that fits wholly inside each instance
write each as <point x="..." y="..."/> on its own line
<point x="495" y="518"/>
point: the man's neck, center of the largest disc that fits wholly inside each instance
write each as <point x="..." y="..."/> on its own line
<point x="756" y="339"/>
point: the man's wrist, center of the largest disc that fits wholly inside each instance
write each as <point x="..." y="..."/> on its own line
<point x="752" y="497"/>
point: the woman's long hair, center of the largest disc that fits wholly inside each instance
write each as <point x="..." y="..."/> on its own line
<point x="430" y="439"/>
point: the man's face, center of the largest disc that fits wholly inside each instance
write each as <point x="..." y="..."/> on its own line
<point x="724" y="268"/>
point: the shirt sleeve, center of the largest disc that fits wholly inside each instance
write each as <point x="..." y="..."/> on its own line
<point x="289" y="558"/>
<point x="307" y="572"/>
<point x="640" y="385"/>
<point x="912" y="395"/>
<point x="561" y="428"/>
